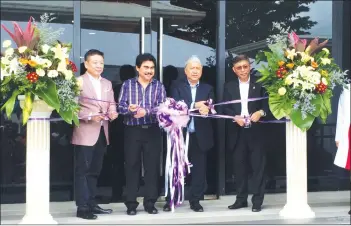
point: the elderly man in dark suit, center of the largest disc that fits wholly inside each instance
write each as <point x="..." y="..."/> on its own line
<point x="195" y="94"/>
<point x="244" y="135"/>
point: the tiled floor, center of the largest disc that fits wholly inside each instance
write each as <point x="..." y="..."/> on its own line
<point x="330" y="208"/>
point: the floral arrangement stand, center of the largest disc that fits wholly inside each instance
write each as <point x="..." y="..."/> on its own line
<point x="39" y="74"/>
<point x="38" y="164"/>
<point x="296" y="174"/>
<point x="300" y="83"/>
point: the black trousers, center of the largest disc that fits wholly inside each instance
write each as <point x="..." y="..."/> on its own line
<point x="88" y="164"/>
<point x="197" y="158"/>
<point x="137" y="140"/>
<point x="249" y="152"/>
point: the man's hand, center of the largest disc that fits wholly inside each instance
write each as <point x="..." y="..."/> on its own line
<point x="238" y="119"/>
<point x="133" y="107"/>
<point x="97" y="118"/>
<point x="112" y="115"/>
<point x="337" y="143"/>
<point x="204" y="110"/>
<point x="255" y="117"/>
<point x="200" y="104"/>
<point x="140" y="113"/>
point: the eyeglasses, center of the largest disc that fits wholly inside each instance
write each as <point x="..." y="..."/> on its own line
<point x="239" y="68"/>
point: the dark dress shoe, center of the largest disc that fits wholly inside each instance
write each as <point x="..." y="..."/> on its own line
<point x="98" y="210"/>
<point x="196" y="207"/>
<point x="131" y="212"/>
<point x="167" y="208"/>
<point x="256" y="208"/>
<point x="151" y="210"/>
<point x="237" y="205"/>
<point x="86" y="214"/>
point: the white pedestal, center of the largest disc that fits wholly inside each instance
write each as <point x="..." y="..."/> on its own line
<point x="296" y="169"/>
<point x="38" y="165"/>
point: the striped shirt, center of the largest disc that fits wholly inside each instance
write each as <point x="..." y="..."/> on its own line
<point x="132" y="92"/>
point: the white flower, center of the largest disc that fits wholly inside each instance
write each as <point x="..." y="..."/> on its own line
<point x="60" y="53"/>
<point x="307" y="86"/>
<point x="289" y="80"/>
<point x="62" y="66"/>
<point x="291" y="54"/>
<point x="9" y="52"/>
<point x="305" y="57"/>
<point x="3" y="74"/>
<point x="6" y="43"/>
<point x="37" y="59"/>
<point x="324" y="81"/>
<point x="22" y="49"/>
<point x="325" y="61"/>
<point x="46" y="63"/>
<point x="281" y="91"/>
<point x="40" y="72"/>
<point x="304" y="77"/>
<point x="45" y="48"/>
<point x="52" y="74"/>
<point x="326" y="51"/>
<point x="68" y="74"/>
<point x="80" y="82"/>
<point x="14" y="64"/>
<point x="5" y="60"/>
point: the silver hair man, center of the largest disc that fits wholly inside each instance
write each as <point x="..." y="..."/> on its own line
<point x="193" y="59"/>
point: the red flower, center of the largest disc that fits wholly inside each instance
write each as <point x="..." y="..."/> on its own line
<point x="73" y="66"/>
<point x="321" y="88"/>
<point x="32" y="77"/>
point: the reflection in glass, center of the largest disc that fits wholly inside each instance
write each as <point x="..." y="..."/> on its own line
<point x="13" y="134"/>
<point x="248" y="25"/>
<point x="187" y="29"/>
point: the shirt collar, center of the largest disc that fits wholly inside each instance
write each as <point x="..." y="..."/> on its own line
<point x="247" y="82"/>
<point x="193" y="86"/>
<point x="93" y="78"/>
<point x="136" y="79"/>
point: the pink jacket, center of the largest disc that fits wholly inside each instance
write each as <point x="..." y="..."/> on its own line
<point x="87" y="133"/>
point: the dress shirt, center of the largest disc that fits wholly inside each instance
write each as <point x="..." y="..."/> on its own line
<point x="244" y="95"/>
<point x="193" y="88"/>
<point x="96" y="84"/>
<point x="97" y="88"/>
<point x="132" y="92"/>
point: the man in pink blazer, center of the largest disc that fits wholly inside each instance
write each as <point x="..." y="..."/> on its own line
<point x="91" y="136"/>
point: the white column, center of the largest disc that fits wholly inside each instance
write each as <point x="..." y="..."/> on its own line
<point x="296" y="178"/>
<point x="38" y="165"/>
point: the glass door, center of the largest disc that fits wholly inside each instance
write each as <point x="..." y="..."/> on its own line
<point x="120" y="30"/>
<point x="180" y="29"/>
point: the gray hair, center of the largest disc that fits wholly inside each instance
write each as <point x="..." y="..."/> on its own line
<point x="193" y="58"/>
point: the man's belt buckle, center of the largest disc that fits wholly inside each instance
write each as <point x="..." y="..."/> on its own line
<point x="144" y="126"/>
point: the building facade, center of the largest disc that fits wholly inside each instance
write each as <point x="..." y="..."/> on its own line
<point x="172" y="31"/>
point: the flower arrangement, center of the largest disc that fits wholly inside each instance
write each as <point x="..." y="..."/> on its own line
<point x="38" y="66"/>
<point x="299" y="80"/>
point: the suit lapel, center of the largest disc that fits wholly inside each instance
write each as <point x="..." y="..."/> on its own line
<point x="89" y="86"/>
<point x="187" y="91"/>
<point x="199" y="92"/>
<point x="103" y="93"/>
<point x="252" y="89"/>
<point x="236" y="95"/>
<point x="91" y="89"/>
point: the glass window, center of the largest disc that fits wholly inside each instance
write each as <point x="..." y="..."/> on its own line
<point x="248" y="25"/>
<point x="188" y="28"/>
<point x="119" y="30"/>
<point x="13" y="134"/>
